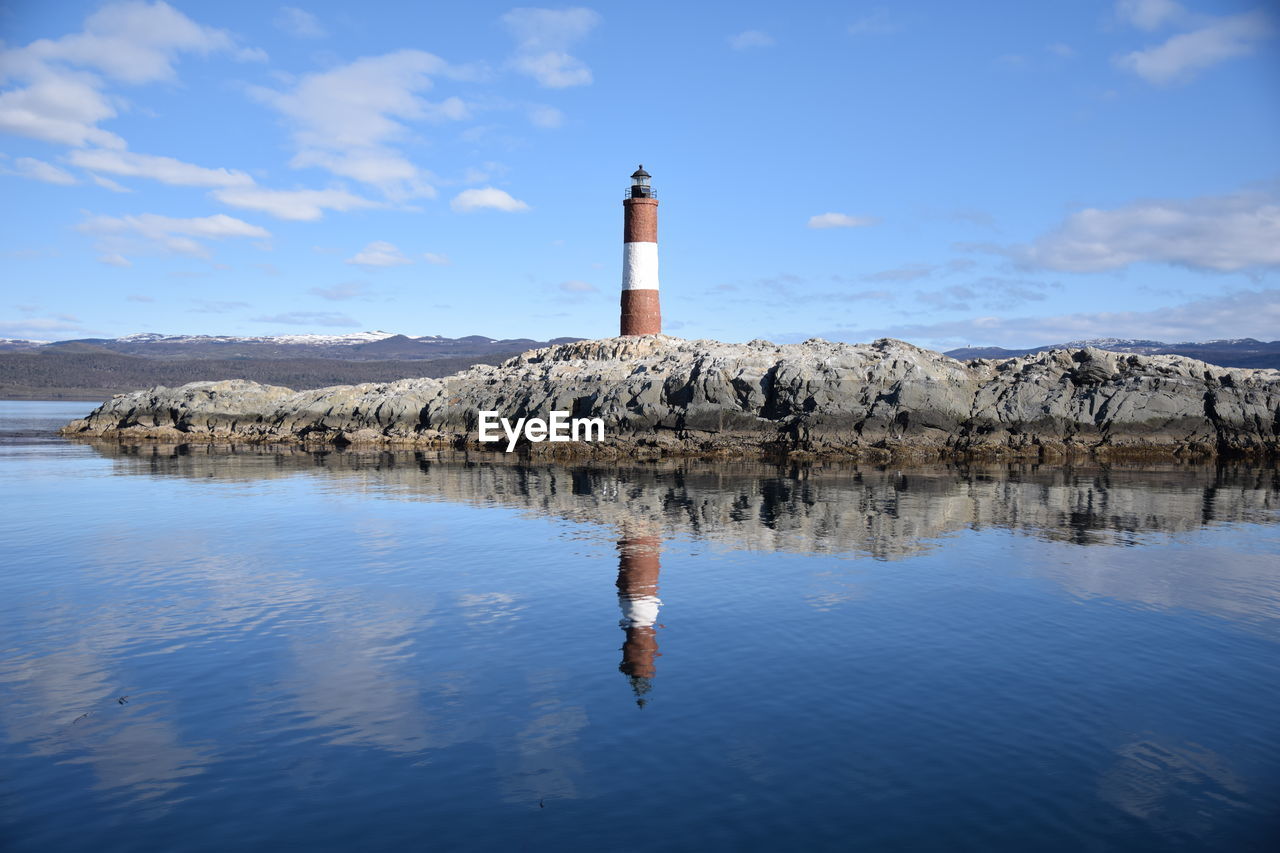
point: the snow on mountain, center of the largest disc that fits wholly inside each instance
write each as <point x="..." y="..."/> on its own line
<point x="1112" y="343"/>
<point x="325" y="340"/>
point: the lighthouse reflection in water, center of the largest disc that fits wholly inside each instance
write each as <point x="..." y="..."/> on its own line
<point x="639" y="553"/>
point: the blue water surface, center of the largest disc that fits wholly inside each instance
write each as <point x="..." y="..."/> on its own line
<point x="211" y="649"/>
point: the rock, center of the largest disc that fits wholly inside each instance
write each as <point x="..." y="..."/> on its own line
<point x="656" y="394"/>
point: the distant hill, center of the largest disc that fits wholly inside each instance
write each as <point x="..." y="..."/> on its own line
<point x="96" y="368"/>
<point x="1238" y="352"/>
<point x="361" y="346"/>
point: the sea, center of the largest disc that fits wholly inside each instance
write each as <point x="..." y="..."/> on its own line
<point x="263" y="648"/>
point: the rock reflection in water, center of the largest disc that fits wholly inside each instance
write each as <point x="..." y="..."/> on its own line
<point x="829" y="508"/>
<point x="862" y="511"/>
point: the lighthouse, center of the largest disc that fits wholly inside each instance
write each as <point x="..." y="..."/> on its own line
<point x="640" y="312"/>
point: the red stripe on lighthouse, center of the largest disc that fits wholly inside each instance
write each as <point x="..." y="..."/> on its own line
<point x="640" y="224"/>
<point x="641" y="313"/>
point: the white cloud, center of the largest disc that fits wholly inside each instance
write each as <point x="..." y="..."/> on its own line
<point x="577" y="287"/>
<point x="436" y="259"/>
<point x="63" y="107"/>
<point x="114" y="260"/>
<point x="1065" y="51"/>
<point x="750" y="38"/>
<point x="39" y="170"/>
<point x="150" y="232"/>
<point x="1220" y="233"/>
<point x="543" y="37"/>
<point x="379" y="254"/>
<point x="346" y="120"/>
<point x="1182" y="56"/>
<point x="840" y="220"/>
<point x="297" y="205"/>
<point x="167" y="170"/>
<point x="299" y="23"/>
<point x="486" y="197"/>
<point x="309" y="318"/>
<point x="132" y="42"/>
<point x="1149" y="14"/>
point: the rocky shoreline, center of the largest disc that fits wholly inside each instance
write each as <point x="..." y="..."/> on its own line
<point x="662" y="396"/>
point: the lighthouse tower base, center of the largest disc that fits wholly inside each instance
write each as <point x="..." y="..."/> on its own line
<point x="641" y="313"/>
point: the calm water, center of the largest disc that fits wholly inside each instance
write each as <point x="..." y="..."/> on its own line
<point x="263" y="651"/>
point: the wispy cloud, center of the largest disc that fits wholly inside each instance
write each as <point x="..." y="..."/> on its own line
<point x="297" y="205"/>
<point x="840" y="220"/>
<point x="166" y="170"/>
<point x="40" y="328"/>
<point x="211" y="306"/>
<point x="541" y="115"/>
<point x="379" y="254"/>
<point x="344" y="291"/>
<point x="118" y="236"/>
<point x="309" y="318"/>
<point x="990" y="292"/>
<point x="578" y="287"/>
<point x="1225" y="233"/>
<point x="39" y="170"/>
<point x="108" y="184"/>
<point x="1149" y="14"/>
<point x="543" y="37"/>
<point x="749" y="39"/>
<point x="908" y="272"/>
<point x="436" y="259"/>
<point x="877" y="23"/>
<point x="1183" y="56"/>
<point x="299" y="23"/>
<point x="1244" y="313"/>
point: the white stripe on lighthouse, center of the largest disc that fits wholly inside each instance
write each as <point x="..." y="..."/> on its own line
<point x="639" y="266"/>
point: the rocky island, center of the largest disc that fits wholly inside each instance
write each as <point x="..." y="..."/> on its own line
<point x="658" y="395"/>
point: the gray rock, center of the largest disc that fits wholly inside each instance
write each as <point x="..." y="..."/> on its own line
<point x="883" y="400"/>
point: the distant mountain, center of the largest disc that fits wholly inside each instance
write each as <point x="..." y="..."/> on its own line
<point x="360" y="346"/>
<point x="1235" y="352"/>
<point x="94" y="368"/>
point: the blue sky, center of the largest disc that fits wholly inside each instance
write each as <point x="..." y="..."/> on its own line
<point x="1004" y="173"/>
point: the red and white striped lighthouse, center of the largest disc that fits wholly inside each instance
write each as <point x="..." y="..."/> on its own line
<point x="641" y="314"/>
